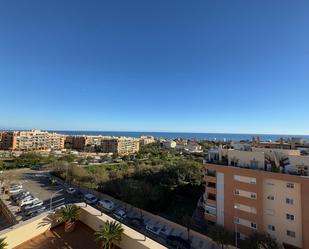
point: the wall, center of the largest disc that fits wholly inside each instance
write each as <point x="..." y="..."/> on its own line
<point x="280" y="192"/>
<point x="22" y="232"/>
<point x="245" y="157"/>
<point x="131" y="239"/>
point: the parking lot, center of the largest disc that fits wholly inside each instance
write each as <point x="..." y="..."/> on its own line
<point x="38" y="184"/>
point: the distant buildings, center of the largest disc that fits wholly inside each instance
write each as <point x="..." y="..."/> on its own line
<point x="251" y="189"/>
<point x="121" y="146"/>
<point x="169" y="144"/>
<point x="75" y="142"/>
<point x="34" y="140"/>
<point x="144" y="140"/>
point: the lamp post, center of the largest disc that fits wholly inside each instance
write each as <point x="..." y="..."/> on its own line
<point x="235" y="222"/>
<point x="51" y="199"/>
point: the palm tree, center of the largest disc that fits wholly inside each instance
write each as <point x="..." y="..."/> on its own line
<point x="3" y="244"/>
<point x="68" y="214"/>
<point x="109" y="234"/>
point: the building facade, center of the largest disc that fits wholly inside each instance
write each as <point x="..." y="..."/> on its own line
<point x="75" y="142"/>
<point x="248" y="200"/>
<point x="34" y="140"/>
<point x="122" y="146"/>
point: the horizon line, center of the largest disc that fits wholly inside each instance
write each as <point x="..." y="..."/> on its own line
<point x="189" y="132"/>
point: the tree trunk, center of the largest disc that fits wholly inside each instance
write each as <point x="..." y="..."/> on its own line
<point x="69" y="226"/>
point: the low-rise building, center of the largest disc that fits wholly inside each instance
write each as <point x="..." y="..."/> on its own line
<point x="169" y="144"/>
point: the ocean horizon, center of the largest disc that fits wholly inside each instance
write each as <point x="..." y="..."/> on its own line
<point x="184" y="135"/>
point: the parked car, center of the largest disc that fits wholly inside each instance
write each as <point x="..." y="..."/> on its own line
<point x="106" y="205"/>
<point x="35" y="203"/>
<point x="79" y="194"/>
<point x="16" y="186"/>
<point x="153" y="229"/>
<point x="16" y="189"/>
<point x="34" y="211"/>
<point x="28" y="202"/>
<point x="120" y="214"/>
<point x="177" y="242"/>
<point x="19" y="195"/>
<point x="59" y="208"/>
<point x="137" y="222"/>
<point x="90" y="199"/>
<point x="71" y="190"/>
<point x="24" y="198"/>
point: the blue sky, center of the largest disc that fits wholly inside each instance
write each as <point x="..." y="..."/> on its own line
<point x="141" y="65"/>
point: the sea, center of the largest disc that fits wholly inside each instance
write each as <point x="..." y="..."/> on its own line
<point x="185" y="135"/>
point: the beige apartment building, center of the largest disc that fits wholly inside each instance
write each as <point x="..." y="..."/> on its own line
<point x="242" y="195"/>
<point x="122" y="146"/>
<point x="34" y="140"/>
<point x="144" y="140"/>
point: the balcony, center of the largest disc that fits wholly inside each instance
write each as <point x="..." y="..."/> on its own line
<point x="211" y="199"/>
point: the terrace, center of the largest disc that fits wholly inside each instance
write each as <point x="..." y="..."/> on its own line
<point x="41" y="232"/>
<point x="56" y="238"/>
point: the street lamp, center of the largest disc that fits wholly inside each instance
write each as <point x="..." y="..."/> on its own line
<point x="51" y="199"/>
<point x="235" y="223"/>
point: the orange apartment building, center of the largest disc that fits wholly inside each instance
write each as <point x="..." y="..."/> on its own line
<point x="34" y="140"/>
<point x="246" y="198"/>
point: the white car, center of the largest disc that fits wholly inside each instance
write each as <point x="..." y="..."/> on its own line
<point x="59" y="208"/>
<point x="120" y="214"/>
<point x="90" y="199"/>
<point x="153" y="229"/>
<point x="28" y="202"/>
<point x="15" y="190"/>
<point x="25" y="198"/>
<point x="106" y="205"/>
<point x="71" y="190"/>
<point x="35" y="203"/>
<point x="15" y="186"/>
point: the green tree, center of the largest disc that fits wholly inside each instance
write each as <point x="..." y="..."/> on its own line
<point x="109" y="234"/>
<point x="3" y="244"/>
<point x="220" y="235"/>
<point x="261" y="241"/>
<point x="68" y="214"/>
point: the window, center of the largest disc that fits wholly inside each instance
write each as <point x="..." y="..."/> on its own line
<point x="253" y="225"/>
<point x="290" y="185"/>
<point x="236" y="192"/>
<point x="290" y="233"/>
<point x="271" y="227"/>
<point x="253" y="196"/>
<point x="289" y="201"/>
<point x="270" y="212"/>
<point x="289" y="216"/>
<point x="270" y="184"/>
<point x="270" y="197"/>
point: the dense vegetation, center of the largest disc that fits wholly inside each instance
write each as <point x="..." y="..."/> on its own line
<point x="162" y="181"/>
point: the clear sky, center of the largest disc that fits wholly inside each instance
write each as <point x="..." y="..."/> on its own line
<point x="164" y="65"/>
